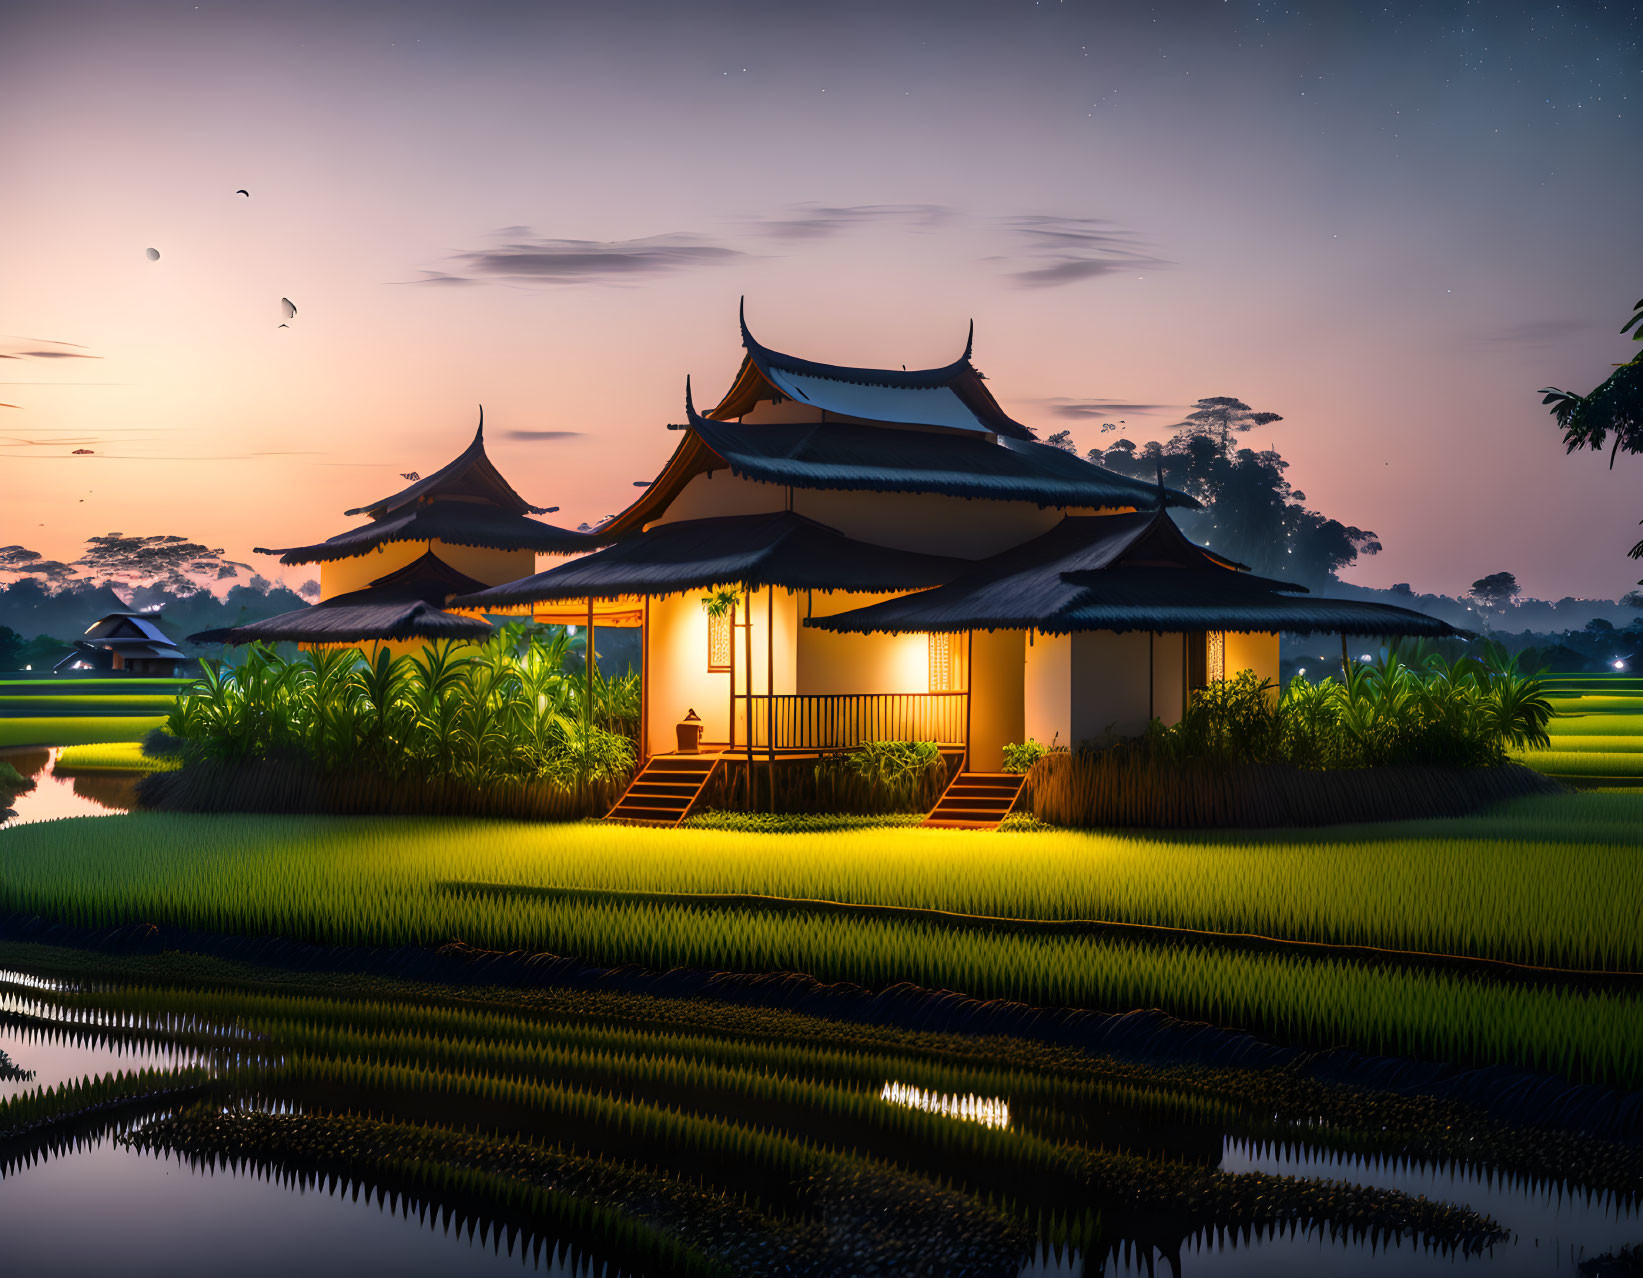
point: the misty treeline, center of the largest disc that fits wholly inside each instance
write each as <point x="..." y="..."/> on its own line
<point x="45" y="604"/>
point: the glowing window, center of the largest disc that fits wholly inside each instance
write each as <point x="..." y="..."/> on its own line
<point x="941" y="663"/>
<point x="1215" y="656"/>
<point x="719" y="640"/>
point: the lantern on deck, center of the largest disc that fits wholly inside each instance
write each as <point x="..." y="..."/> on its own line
<point x="690" y="733"/>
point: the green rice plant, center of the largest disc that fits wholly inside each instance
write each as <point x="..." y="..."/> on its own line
<point x="375" y="883"/>
<point x="507" y="1177"/>
<point x="114" y="756"/>
<point x="72" y="730"/>
<point x="29" y="1111"/>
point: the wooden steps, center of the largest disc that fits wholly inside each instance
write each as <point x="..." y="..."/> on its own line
<point x="976" y="801"/>
<point x="665" y="789"/>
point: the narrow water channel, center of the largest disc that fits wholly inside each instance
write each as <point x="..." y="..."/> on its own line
<point x="54" y="795"/>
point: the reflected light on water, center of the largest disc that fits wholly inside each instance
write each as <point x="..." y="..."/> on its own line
<point x="989" y="1111"/>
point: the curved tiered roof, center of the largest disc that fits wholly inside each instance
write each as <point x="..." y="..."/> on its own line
<point x="952" y="397"/>
<point x="466" y="502"/>
<point x="862" y="458"/>
<point x="778" y="548"/>
<point x="404" y="604"/>
<point x="1122" y="572"/>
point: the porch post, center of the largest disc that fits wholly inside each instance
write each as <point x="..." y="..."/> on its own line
<point x="587" y="740"/>
<point x="969" y="692"/>
<point x="747" y="647"/>
<point x="644" y="684"/>
<point x="770" y="692"/>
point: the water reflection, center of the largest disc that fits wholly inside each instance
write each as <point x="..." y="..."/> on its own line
<point x="54" y="796"/>
<point x="156" y="1217"/>
<point x="989" y="1111"/>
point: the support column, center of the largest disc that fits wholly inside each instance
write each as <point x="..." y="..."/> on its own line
<point x="747" y="647"/>
<point x="770" y="692"/>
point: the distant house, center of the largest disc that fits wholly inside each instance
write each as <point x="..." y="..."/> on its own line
<point x="130" y="642"/>
<point x="384" y="583"/>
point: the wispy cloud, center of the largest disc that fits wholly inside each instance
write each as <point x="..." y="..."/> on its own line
<point x="36" y="349"/>
<point x="526" y="258"/>
<point x="529" y="435"/>
<point x="1084" y="409"/>
<point x="1531" y="335"/>
<point x="824" y="221"/>
<point x="1050" y="251"/>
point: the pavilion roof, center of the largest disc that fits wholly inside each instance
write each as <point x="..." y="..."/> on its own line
<point x="847" y="457"/>
<point x="452" y="522"/>
<point x="470" y="475"/>
<point x="1121" y="572"/>
<point x="404" y="604"/>
<point x="778" y="548"/>
<point x="952" y="396"/>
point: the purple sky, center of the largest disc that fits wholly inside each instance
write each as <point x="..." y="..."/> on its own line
<point x="1392" y="229"/>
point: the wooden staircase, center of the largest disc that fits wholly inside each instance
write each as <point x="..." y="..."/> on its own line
<point x="976" y="801"/>
<point x="665" y="789"/>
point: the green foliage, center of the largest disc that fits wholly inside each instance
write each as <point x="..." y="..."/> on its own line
<point x="506" y="711"/>
<point x="12" y="781"/>
<point x="720" y="602"/>
<point x="1427" y="710"/>
<point x="1615" y="406"/>
<point x="1020" y="757"/>
<point x="896" y="770"/>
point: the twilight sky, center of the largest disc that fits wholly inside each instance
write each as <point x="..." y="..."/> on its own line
<point x="1391" y="223"/>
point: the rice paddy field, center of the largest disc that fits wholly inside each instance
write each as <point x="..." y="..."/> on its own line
<point x="1549" y="882"/>
<point x="586" y="1132"/>
<point x="61" y="730"/>
<point x="1597" y="731"/>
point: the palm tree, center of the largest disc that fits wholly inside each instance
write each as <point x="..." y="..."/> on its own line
<point x="1616" y="406"/>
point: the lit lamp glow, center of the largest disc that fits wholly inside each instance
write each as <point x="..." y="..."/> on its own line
<point x="989" y="1111"/>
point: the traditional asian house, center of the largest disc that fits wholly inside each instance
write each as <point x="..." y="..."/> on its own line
<point x="457" y="531"/>
<point x="129" y="642"/>
<point x="834" y="555"/>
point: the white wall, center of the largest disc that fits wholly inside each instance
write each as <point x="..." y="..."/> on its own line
<point x="1109" y="685"/>
<point x="1049" y="689"/>
<point x="1168" y="676"/>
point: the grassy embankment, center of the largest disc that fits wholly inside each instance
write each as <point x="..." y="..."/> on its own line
<point x="1553" y="882"/>
<point x="1597" y="732"/>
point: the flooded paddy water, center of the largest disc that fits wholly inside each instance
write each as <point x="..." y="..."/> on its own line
<point x="181" y="1214"/>
<point x="55" y="795"/>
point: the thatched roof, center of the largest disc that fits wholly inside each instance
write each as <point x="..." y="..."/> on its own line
<point x="451" y="522"/>
<point x="1121" y="572"/>
<point x="404" y="604"/>
<point x="779" y="548"/>
<point x="470" y="474"/>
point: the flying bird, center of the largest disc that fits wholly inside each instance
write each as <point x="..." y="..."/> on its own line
<point x="409" y="474"/>
<point x="153" y="254"/>
<point x="285" y="326"/>
<point x="244" y="192"/>
<point x="290" y="310"/>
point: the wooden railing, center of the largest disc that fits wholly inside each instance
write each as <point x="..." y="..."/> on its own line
<point x="842" y="721"/>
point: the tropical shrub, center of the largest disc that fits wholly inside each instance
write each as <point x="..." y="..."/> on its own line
<point x="505" y="712"/>
<point x="1020" y="757"/>
<point x="1423" y="711"/>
